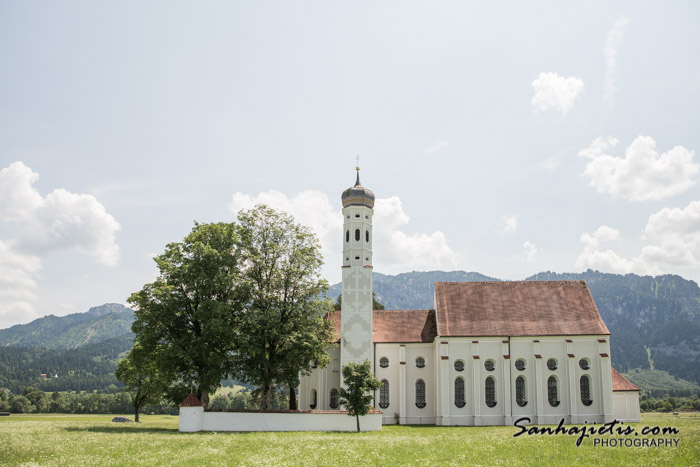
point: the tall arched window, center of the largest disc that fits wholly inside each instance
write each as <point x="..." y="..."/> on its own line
<point x="553" y="391"/>
<point x="357" y="234"/>
<point x="347" y="236"/>
<point x="490" y="391"/>
<point x="459" y="392"/>
<point x="367" y="236"/>
<point x="521" y="391"/>
<point x="334" y="398"/>
<point x="420" y="393"/>
<point x="314" y="399"/>
<point x="384" y="394"/>
<point x="586" y="390"/>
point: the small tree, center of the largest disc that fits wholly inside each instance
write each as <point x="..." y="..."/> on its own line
<point x="144" y="382"/>
<point x="360" y="385"/>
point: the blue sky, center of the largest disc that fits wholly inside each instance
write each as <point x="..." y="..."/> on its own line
<point x="506" y="139"/>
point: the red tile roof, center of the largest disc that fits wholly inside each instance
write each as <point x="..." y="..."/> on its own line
<point x="191" y="401"/>
<point x="396" y="326"/>
<point x="620" y="383"/>
<point x="404" y="326"/>
<point x="553" y="308"/>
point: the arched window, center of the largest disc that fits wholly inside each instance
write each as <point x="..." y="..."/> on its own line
<point x="586" y="390"/>
<point x="347" y="236"/>
<point x="584" y="364"/>
<point x="459" y="365"/>
<point x="383" y="362"/>
<point x="520" y="364"/>
<point x="384" y="394"/>
<point x="552" y="364"/>
<point x="521" y="391"/>
<point x="357" y="234"/>
<point x="420" y="393"/>
<point x="553" y="391"/>
<point x="420" y="362"/>
<point x="367" y="236"/>
<point x="490" y="365"/>
<point x="490" y="391"/>
<point x="334" y="398"/>
<point x="459" y="392"/>
<point x="314" y="399"/>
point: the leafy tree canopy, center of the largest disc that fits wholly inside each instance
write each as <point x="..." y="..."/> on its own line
<point x="360" y="384"/>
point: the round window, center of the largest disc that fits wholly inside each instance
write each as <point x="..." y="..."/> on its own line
<point x="420" y="362"/>
<point x="383" y="362"/>
<point x="520" y="364"/>
<point x="552" y="364"/>
<point x="490" y="365"/>
<point x="459" y="365"/>
<point x="584" y="364"/>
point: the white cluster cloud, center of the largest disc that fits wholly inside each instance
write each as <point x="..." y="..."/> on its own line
<point x="511" y="224"/>
<point x="555" y="92"/>
<point x="673" y="236"/>
<point x="530" y="250"/>
<point x="612" y="45"/>
<point x="60" y="221"/>
<point x="397" y="249"/>
<point x="642" y="174"/>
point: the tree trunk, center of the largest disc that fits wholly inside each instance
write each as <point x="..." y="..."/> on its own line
<point x="136" y="412"/>
<point x="357" y="417"/>
<point x="265" y="399"/>
<point x="292" y="398"/>
<point x="205" y="399"/>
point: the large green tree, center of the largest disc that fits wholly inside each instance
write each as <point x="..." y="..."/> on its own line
<point x="282" y="329"/>
<point x="359" y="387"/>
<point x="144" y="381"/>
<point x="185" y="320"/>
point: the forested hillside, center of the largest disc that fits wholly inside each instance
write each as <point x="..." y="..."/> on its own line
<point x="72" y="331"/>
<point x="77" y="352"/>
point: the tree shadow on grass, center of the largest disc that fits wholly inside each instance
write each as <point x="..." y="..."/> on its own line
<point x="124" y="429"/>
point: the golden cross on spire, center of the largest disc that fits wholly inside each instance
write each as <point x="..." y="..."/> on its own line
<point x="357" y="161"/>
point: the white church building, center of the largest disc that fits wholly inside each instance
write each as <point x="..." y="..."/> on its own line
<point x="488" y="353"/>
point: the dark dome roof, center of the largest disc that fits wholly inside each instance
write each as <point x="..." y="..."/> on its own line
<point x="358" y="195"/>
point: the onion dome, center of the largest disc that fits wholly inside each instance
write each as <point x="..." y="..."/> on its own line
<point x="358" y="195"/>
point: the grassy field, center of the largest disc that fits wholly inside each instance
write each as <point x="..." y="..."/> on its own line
<point x="94" y="440"/>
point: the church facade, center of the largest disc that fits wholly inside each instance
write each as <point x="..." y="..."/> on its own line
<point x="488" y="353"/>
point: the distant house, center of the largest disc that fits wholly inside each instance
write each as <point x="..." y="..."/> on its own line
<point x="43" y="375"/>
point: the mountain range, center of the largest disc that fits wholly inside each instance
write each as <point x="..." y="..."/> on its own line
<point x="654" y="324"/>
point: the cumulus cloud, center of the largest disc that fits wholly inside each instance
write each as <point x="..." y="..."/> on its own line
<point x="673" y="245"/>
<point x="612" y="45"/>
<point x="61" y="221"/>
<point x="395" y="250"/>
<point x="642" y="174"/>
<point x="529" y="249"/>
<point x="18" y="275"/>
<point x="511" y="224"/>
<point x="554" y="92"/>
<point x="18" y="199"/>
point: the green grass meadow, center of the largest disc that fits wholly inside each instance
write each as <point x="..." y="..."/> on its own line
<point x="51" y="439"/>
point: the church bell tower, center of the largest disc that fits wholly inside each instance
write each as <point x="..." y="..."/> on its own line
<point x="357" y="305"/>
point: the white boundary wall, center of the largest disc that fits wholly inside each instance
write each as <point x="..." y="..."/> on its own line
<point x="194" y="419"/>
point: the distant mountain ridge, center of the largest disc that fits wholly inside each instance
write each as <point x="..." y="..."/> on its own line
<point x="654" y="322"/>
<point x="71" y="331"/>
